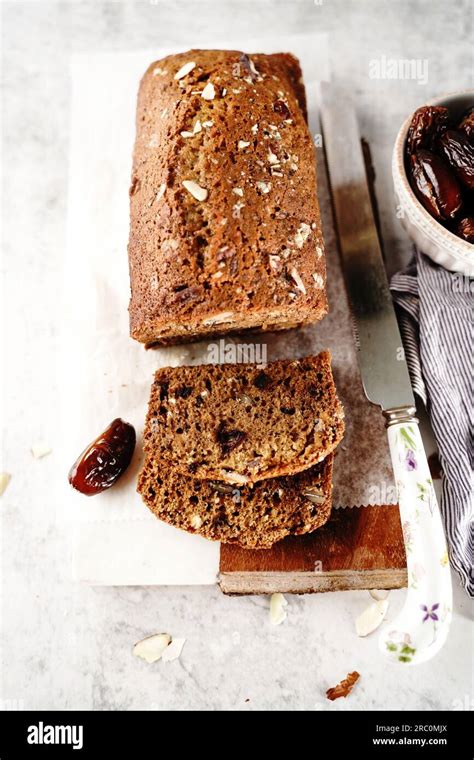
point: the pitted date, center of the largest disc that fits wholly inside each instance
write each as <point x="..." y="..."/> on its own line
<point x="427" y="124"/>
<point x="103" y="462"/>
<point x="440" y="165"/>
<point x="459" y="153"/>
<point x="465" y="229"/>
<point x="466" y="124"/>
<point x="281" y="108"/>
<point x="435" y="185"/>
<point x="229" y="439"/>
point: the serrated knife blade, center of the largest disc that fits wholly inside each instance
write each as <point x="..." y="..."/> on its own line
<point x="380" y="350"/>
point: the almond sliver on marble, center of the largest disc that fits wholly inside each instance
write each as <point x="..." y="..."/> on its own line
<point x="371" y="618"/>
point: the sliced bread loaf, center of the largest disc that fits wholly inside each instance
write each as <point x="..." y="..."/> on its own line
<point x="254" y="518"/>
<point x="242" y="423"/>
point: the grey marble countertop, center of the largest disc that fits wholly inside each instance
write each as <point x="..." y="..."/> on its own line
<point x="69" y="646"/>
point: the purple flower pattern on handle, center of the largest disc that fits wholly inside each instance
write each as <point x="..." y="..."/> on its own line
<point x="410" y="461"/>
<point x="430" y="613"/>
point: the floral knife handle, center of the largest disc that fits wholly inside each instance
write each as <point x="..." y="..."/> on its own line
<point x="421" y="628"/>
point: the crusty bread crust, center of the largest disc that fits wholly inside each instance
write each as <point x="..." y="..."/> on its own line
<point x="242" y="423"/>
<point x="249" y="255"/>
<point x="254" y="518"/>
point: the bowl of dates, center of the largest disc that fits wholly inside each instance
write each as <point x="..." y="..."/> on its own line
<point x="433" y="175"/>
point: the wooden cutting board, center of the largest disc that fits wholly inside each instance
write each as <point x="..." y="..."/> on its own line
<point x="359" y="548"/>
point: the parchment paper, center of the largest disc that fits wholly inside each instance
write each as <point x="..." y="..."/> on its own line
<point x="106" y="374"/>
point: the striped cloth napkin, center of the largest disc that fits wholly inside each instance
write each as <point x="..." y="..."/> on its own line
<point x="437" y="325"/>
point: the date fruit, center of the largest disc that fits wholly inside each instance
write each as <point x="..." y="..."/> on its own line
<point x="103" y="462"/>
<point x="229" y="439"/>
<point x="435" y="185"/>
<point x="465" y="229"/>
<point x="439" y="162"/>
<point x="466" y="124"/>
<point x="427" y="124"/>
<point x="459" y="153"/>
<point x="282" y="109"/>
<point x="249" y="67"/>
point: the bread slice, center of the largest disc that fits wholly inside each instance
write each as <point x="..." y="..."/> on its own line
<point x="225" y="228"/>
<point x="241" y="423"/>
<point x="254" y="518"/>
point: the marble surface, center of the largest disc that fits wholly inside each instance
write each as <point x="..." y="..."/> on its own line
<point x="69" y="646"/>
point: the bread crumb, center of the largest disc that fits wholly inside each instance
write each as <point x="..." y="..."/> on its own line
<point x="344" y="688"/>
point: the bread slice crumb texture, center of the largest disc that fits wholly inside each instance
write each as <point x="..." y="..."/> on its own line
<point x="243" y="423"/>
<point x="253" y="517"/>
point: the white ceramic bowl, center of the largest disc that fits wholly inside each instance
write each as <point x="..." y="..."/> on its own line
<point x="428" y="235"/>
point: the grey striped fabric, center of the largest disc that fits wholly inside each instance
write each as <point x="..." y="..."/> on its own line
<point x="437" y="324"/>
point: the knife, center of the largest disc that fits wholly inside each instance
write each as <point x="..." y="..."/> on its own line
<point x="421" y="628"/>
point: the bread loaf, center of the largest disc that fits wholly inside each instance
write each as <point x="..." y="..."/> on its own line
<point x="225" y="231"/>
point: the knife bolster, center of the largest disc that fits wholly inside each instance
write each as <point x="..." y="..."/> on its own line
<point x="400" y="415"/>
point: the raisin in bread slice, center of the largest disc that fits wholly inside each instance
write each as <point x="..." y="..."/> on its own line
<point x="225" y="228"/>
<point x="254" y="518"/>
<point x="242" y="423"/>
